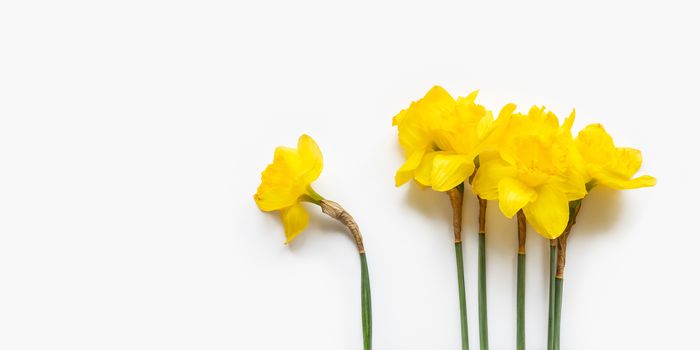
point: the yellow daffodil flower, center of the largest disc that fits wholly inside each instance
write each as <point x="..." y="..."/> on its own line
<point x="287" y="181"/>
<point x="606" y="164"/>
<point x="441" y="137"/>
<point x="533" y="170"/>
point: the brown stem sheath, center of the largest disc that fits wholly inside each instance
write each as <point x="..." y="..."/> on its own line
<point x="482" y="215"/>
<point x="337" y="212"/>
<point x="562" y="240"/>
<point x="456" y="200"/>
<point x="522" y="233"/>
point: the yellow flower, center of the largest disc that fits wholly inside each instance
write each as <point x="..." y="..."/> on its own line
<point x="287" y="181"/>
<point x="441" y="137"/>
<point x="533" y="170"/>
<point x="606" y="164"/>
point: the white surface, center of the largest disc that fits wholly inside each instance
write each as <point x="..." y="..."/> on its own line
<point x="133" y="134"/>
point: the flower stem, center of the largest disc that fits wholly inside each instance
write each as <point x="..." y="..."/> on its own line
<point x="574" y="208"/>
<point x="520" y="304"/>
<point x="483" y="311"/>
<point x="366" y="305"/>
<point x="559" y="286"/>
<point x="462" y="296"/>
<point x="552" y="271"/>
<point x="337" y="212"/>
<point x="456" y="200"/>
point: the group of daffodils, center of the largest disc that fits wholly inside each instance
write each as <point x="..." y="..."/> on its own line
<point x="530" y="163"/>
<point x="527" y="162"/>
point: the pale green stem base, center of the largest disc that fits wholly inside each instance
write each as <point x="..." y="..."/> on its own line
<point x="520" y="312"/>
<point x="550" y="319"/>
<point x="483" y="311"/>
<point x="366" y="305"/>
<point x="559" y="283"/>
<point x="462" y="296"/>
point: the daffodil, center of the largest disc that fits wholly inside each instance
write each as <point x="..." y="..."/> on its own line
<point x="608" y="165"/>
<point x="601" y="163"/>
<point x="533" y="171"/>
<point x="442" y="136"/>
<point x="286" y="183"/>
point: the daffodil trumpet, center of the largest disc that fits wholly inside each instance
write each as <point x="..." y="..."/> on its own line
<point x="286" y="183"/>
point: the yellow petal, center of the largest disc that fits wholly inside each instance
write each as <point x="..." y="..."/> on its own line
<point x="471" y="97"/>
<point x="569" y="122"/>
<point x="489" y="174"/>
<point x="450" y="170"/>
<point x="416" y="123"/>
<point x="438" y="98"/>
<point x="276" y="198"/>
<point x="573" y="185"/>
<point x="405" y="173"/>
<point x="513" y="195"/>
<point x="424" y="171"/>
<point x="618" y="182"/>
<point x="549" y="213"/>
<point x="294" y="219"/>
<point x="396" y="120"/>
<point x="310" y="157"/>
<point x="627" y="161"/>
<point x="595" y="145"/>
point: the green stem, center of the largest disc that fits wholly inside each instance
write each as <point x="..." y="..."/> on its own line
<point x="559" y="286"/>
<point x="366" y="305"/>
<point x="520" y="313"/>
<point x="462" y="296"/>
<point x="483" y="312"/>
<point x="552" y="271"/>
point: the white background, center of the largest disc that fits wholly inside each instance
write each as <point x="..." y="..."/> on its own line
<point x="133" y="134"/>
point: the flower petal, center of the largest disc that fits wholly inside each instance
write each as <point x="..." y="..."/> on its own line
<point x="424" y="171"/>
<point x="405" y="173"/>
<point x="310" y="157"/>
<point x="549" y="213"/>
<point x="513" y="195"/>
<point x="490" y="173"/>
<point x="618" y="182"/>
<point x="276" y="198"/>
<point x="294" y="219"/>
<point x="450" y="170"/>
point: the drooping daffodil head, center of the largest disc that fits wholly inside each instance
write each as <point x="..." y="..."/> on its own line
<point x="533" y="170"/>
<point x="287" y="182"/>
<point x="441" y="136"/>
<point x="605" y="164"/>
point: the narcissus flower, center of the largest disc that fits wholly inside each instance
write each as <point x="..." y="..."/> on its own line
<point x="441" y="137"/>
<point x="533" y="170"/>
<point x="287" y="181"/>
<point x="606" y="164"/>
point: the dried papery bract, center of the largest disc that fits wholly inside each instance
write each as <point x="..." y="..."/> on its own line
<point x="337" y="212"/>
